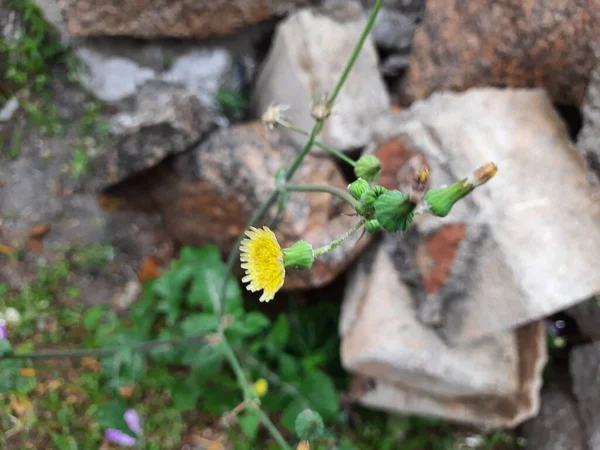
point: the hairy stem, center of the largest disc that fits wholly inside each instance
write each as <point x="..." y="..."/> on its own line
<point x="245" y="386"/>
<point x="322" y="188"/>
<point x="332" y="245"/>
<point x="320" y="144"/>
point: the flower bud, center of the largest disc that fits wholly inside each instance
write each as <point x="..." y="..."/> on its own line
<point x="373" y="226"/>
<point x="358" y="188"/>
<point x="367" y="200"/>
<point x="441" y="201"/>
<point x="309" y="425"/>
<point x="299" y="256"/>
<point x="368" y="167"/>
<point x="394" y="211"/>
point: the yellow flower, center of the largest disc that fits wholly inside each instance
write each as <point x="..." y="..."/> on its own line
<point x="262" y="259"/>
<point x="261" y="386"/>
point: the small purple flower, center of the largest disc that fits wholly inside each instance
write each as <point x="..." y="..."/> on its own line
<point x="3" y="330"/>
<point x="132" y="419"/>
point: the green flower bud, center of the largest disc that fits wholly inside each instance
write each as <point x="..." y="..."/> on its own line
<point x="368" y="168"/>
<point x="441" y="201"/>
<point x="309" y="425"/>
<point x="368" y="198"/>
<point x="358" y="188"/>
<point x="299" y="256"/>
<point x="373" y="226"/>
<point x="394" y="211"/>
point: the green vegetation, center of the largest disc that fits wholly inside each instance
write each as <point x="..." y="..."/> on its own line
<point x="179" y="387"/>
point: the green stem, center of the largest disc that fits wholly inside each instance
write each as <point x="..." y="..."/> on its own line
<point x="322" y="188"/>
<point x="326" y="147"/>
<point x="357" y="50"/>
<point x="332" y="245"/>
<point x="244" y="384"/>
<point x="143" y="347"/>
<point x="234" y="254"/>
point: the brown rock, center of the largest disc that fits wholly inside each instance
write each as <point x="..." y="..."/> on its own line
<point x="515" y="43"/>
<point x="208" y="195"/>
<point x="169" y="18"/>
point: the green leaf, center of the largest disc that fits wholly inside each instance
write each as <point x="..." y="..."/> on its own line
<point x="199" y="323"/>
<point x="110" y="415"/>
<point x="289" y="367"/>
<point x="185" y="394"/>
<point x="320" y="391"/>
<point x="280" y="333"/>
<point x="288" y="419"/>
<point x="5" y="347"/>
<point x="249" y="422"/>
<point x="127" y="365"/>
<point x="206" y="358"/>
<point x="254" y="322"/>
<point x="92" y="317"/>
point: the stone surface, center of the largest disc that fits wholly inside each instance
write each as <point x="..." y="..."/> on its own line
<point x="115" y="70"/>
<point x="36" y="192"/>
<point x="308" y="54"/>
<point x="523" y="256"/>
<point x="589" y="136"/>
<point x="544" y="43"/>
<point x="166" y="120"/>
<point x="491" y="383"/>
<point x="169" y="18"/>
<point x="207" y="195"/>
<point x="557" y="425"/>
<point x="587" y="317"/>
<point x="393" y="33"/>
<point x="9" y="109"/>
<point x="584" y="365"/>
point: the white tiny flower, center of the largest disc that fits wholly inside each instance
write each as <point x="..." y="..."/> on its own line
<point x="474" y="441"/>
<point x="11" y="316"/>
<point x="274" y="115"/>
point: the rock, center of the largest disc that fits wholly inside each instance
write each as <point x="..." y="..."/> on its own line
<point x="53" y="16"/>
<point x="587" y="316"/>
<point x="114" y="70"/>
<point x="545" y="44"/>
<point x="111" y="78"/>
<point x="496" y="264"/>
<point x="169" y="19"/>
<point x="589" y="136"/>
<point x="557" y="426"/>
<point x="491" y="383"/>
<point x="166" y="120"/>
<point x="393" y="33"/>
<point x="106" y="248"/>
<point x="9" y="109"/>
<point x="584" y="365"/>
<point x="308" y="54"/>
<point x="207" y="195"/>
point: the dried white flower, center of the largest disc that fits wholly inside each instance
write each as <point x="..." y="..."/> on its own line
<point x="274" y="115"/>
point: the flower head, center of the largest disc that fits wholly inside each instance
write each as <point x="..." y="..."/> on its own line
<point x="262" y="259"/>
<point x="132" y="419"/>
<point x="274" y="115"/>
<point x="261" y="386"/>
<point x="3" y="330"/>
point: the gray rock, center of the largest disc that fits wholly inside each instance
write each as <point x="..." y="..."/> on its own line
<point x="307" y="56"/>
<point x="393" y="30"/>
<point x="491" y="383"/>
<point x="557" y="426"/>
<point x="587" y="317"/>
<point x="536" y="259"/>
<point x="9" y="109"/>
<point x="208" y="195"/>
<point x="111" y="77"/>
<point x="114" y="69"/>
<point x="589" y="136"/>
<point x="584" y="366"/>
<point x="166" y="120"/>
